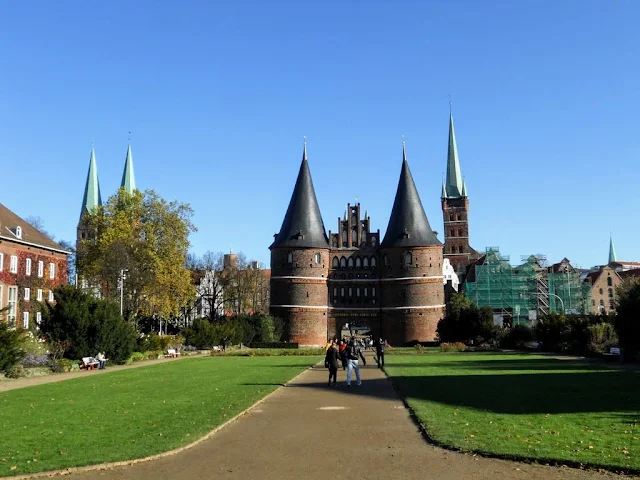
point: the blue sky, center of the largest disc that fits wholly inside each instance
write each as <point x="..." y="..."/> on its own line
<point x="218" y="95"/>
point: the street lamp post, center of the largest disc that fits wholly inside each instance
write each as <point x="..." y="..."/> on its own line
<point x="121" y="285"/>
<point x="561" y="301"/>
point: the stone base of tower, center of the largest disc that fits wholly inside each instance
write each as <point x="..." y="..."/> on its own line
<point x="306" y="327"/>
<point x="401" y="328"/>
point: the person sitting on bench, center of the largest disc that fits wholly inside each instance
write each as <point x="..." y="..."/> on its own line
<point x="102" y="359"/>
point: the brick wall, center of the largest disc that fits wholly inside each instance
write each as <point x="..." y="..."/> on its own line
<point x="32" y="281"/>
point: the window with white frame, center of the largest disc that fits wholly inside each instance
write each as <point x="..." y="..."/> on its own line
<point x="39" y="295"/>
<point x="40" y="268"/>
<point x="12" y="303"/>
<point x="27" y="269"/>
<point x="25" y="320"/>
<point x="1" y="297"/>
<point x="27" y="293"/>
<point x="51" y="295"/>
<point x="1" y="261"/>
<point x="52" y="270"/>
<point x="13" y="267"/>
<point x="19" y="232"/>
<point x="38" y="318"/>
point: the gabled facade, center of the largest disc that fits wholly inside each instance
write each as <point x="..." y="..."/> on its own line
<point x="320" y="284"/>
<point x="31" y="266"/>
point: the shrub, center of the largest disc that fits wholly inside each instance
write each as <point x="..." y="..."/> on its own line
<point x="626" y="323"/>
<point x="602" y="336"/>
<point x="30" y="360"/>
<point x="12" y="349"/>
<point x="419" y="348"/>
<point x="135" y="357"/>
<point x="453" y="347"/>
<point x="89" y="325"/>
<point x="516" y="337"/>
<point x="16" y="371"/>
<point x="66" y="365"/>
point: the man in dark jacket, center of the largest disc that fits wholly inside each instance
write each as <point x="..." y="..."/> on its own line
<point x="331" y="362"/>
<point x="380" y="352"/>
<point x="353" y="353"/>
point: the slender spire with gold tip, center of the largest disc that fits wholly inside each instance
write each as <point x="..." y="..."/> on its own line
<point x="302" y="225"/>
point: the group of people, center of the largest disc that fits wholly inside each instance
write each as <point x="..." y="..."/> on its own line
<point x="349" y="353"/>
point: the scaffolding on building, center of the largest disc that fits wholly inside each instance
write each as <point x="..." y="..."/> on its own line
<point x="523" y="293"/>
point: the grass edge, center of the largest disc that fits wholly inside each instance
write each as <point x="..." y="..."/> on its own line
<point x="501" y="456"/>
<point x="175" y="451"/>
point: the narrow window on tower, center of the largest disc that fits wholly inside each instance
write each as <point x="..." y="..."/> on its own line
<point x="343" y="262"/>
<point x="290" y="257"/>
<point x="451" y="217"/>
<point x="459" y="232"/>
<point x="373" y="262"/>
<point x="358" y="262"/>
<point x="460" y="249"/>
<point x="350" y="262"/>
<point x="335" y="263"/>
<point x="408" y="258"/>
<point x="318" y="258"/>
<point x="453" y="232"/>
<point x="365" y="262"/>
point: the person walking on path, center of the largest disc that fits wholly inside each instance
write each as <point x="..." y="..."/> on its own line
<point x="331" y="362"/>
<point x="343" y="358"/>
<point x="380" y="352"/>
<point x="353" y="353"/>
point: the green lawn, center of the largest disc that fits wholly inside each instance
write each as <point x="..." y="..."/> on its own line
<point x="131" y="413"/>
<point x="525" y="406"/>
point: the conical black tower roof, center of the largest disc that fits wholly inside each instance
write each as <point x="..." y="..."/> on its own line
<point x="302" y="226"/>
<point x="408" y="225"/>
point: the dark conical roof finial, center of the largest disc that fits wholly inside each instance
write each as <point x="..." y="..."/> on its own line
<point x="302" y="226"/>
<point x="408" y="225"/>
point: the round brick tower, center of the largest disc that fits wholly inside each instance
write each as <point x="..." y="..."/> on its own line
<point x="300" y="266"/>
<point x="412" y="293"/>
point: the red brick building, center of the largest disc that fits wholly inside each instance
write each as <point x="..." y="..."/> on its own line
<point x="31" y="266"/>
<point x="320" y="283"/>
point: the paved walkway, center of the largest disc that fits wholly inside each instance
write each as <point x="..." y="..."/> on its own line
<point x="7" y="384"/>
<point x="307" y="430"/>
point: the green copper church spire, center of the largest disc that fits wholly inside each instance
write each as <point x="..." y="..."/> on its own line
<point x="454" y="185"/>
<point x="92" y="196"/>
<point x="612" y="251"/>
<point x="128" y="177"/>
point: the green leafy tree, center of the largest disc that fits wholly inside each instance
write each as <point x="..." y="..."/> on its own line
<point x="627" y="322"/>
<point x="147" y="237"/>
<point x="87" y="325"/>
<point x="465" y="321"/>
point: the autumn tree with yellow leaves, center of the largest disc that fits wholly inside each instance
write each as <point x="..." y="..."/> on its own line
<point x="147" y="237"/>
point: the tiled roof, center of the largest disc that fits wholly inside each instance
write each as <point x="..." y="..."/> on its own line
<point x="8" y="223"/>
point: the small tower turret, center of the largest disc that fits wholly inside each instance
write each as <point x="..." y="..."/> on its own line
<point x="412" y="300"/>
<point x="300" y="265"/>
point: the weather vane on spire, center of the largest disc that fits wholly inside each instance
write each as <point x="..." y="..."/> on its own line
<point x="450" y="103"/>
<point x="129" y="137"/>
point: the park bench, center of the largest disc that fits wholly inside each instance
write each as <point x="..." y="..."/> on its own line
<point x="614" y="350"/>
<point x="89" y="363"/>
<point x="172" y="353"/>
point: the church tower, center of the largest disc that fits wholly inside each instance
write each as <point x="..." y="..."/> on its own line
<point x="455" y="210"/>
<point x="90" y="201"/>
<point x="300" y="265"/>
<point x="128" y="177"/>
<point x="412" y="300"/>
